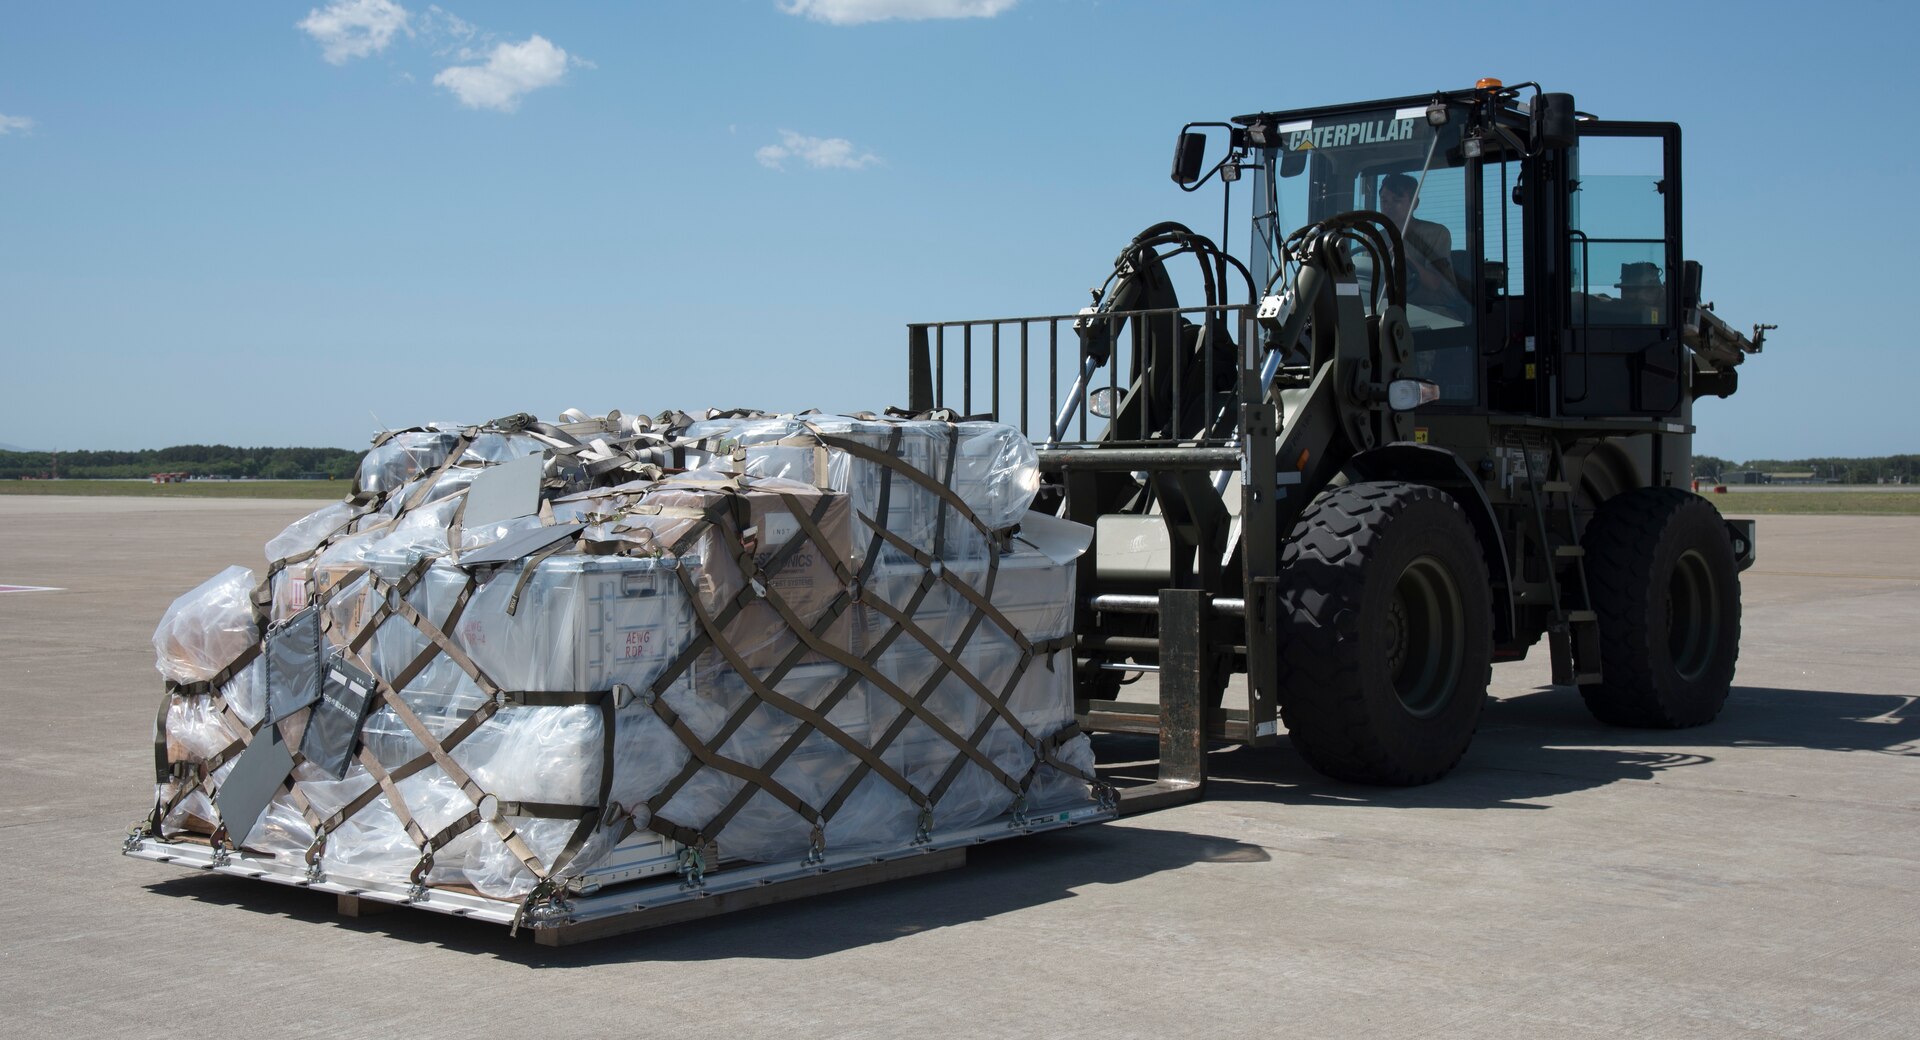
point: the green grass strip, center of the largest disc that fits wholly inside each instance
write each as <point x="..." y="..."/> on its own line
<point x="309" y="489"/>
<point x="1857" y="503"/>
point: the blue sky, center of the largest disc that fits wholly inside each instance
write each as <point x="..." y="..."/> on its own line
<point x="264" y="223"/>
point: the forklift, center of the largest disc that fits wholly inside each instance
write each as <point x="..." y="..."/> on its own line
<point x="1442" y="408"/>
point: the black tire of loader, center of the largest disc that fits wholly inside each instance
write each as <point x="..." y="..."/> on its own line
<point x="1663" y="579"/>
<point x="1359" y="554"/>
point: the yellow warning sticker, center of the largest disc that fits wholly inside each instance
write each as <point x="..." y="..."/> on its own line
<point x="1529" y="370"/>
<point x="1420" y="435"/>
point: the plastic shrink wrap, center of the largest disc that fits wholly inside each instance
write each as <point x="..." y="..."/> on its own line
<point x="819" y="631"/>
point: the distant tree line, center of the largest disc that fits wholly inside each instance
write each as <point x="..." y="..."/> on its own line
<point x="195" y="460"/>
<point x="1887" y="468"/>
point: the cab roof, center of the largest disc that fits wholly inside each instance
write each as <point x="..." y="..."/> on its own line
<point x="1295" y="115"/>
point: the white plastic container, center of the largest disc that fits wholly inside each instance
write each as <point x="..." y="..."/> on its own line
<point x="581" y="623"/>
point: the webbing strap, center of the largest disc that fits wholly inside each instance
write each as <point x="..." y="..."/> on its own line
<point x="987" y="721"/>
<point x="439" y="638"/>
<point x="724" y="520"/>
<point x="212" y="683"/>
<point x="163" y="771"/>
<point x="1049" y="752"/>
<point x="474" y="792"/>
<point x="427" y="482"/>
<point x="713" y="634"/>
<point x="726" y="765"/>
<point x="794" y="655"/>
<point x="676" y="832"/>
<point x="591" y="815"/>
<point x="291" y="789"/>
<point x="436" y="751"/>
<point x="550" y="698"/>
<point x="766" y="694"/>
<point x="913" y="705"/>
<point x="809" y="717"/>
<point x="810" y="525"/>
<point x="671" y="674"/>
<point x="202" y="772"/>
<point x="846" y="684"/>
<point x="981" y="602"/>
<point x="882" y="506"/>
<point x="927" y="689"/>
<point x="526" y="572"/>
<point x="401" y="589"/>
<point x="946" y="491"/>
<point x="997" y="702"/>
<point x="456" y="526"/>
<point x="536" y="810"/>
<point x="391" y="789"/>
<point x="946" y="494"/>
<point x="162" y="765"/>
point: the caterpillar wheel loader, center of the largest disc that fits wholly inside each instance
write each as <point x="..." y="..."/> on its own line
<point x="1440" y="409"/>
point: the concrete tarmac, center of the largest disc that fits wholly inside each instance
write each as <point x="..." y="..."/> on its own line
<point x="1755" y="877"/>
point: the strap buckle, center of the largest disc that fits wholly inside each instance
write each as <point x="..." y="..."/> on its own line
<point x="693" y="867"/>
<point x="547" y="901"/>
<point x="314" y="854"/>
<point x="417" y="887"/>
<point x="222" y="846"/>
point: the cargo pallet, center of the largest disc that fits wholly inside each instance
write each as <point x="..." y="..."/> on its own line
<point x="641" y="886"/>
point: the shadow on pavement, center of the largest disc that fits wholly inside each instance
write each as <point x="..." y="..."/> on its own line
<point x="1544" y="743"/>
<point x="1530" y="747"/>
<point x="998" y="878"/>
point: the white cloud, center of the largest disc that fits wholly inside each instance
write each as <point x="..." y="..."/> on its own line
<point x="511" y="70"/>
<point x="9" y="124"/>
<point x="447" y="34"/>
<point x="854" y="12"/>
<point x="348" y="29"/>
<point x="821" y="153"/>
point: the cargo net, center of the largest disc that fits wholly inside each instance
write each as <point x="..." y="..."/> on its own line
<point x="757" y="637"/>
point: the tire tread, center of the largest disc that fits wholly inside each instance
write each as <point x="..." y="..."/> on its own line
<point x="1321" y="602"/>
<point x="1621" y="543"/>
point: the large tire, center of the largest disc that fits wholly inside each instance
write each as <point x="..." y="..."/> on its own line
<point x="1663" y="580"/>
<point x="1386" y="647"/>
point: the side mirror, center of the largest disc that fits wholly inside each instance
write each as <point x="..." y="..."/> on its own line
<point x="1292" y="164"/>
<point x="1188" y="155"/>
<point x="1690" y="273"/>
<point x="1553" y="123"/>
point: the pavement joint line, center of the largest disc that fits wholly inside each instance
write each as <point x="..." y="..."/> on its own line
<point x="1836" y="574"/>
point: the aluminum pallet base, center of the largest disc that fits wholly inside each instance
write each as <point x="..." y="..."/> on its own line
<point x="599" y="906"/>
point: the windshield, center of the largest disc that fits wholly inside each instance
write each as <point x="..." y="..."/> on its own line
<point x="1392" y="161"/>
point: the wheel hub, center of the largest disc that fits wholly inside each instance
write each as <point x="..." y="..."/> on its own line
<point x="1425" y="636"/>
<point x="1397" y="634"/>
<point x="1693" y="616"/>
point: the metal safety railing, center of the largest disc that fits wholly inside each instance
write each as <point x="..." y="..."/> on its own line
<point x="1167" y="375"/>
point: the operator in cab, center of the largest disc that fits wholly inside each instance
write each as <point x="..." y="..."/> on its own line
<point x="1429" y="246"/>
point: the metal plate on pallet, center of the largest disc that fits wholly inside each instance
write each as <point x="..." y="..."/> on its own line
<point x="254" y="780"/>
